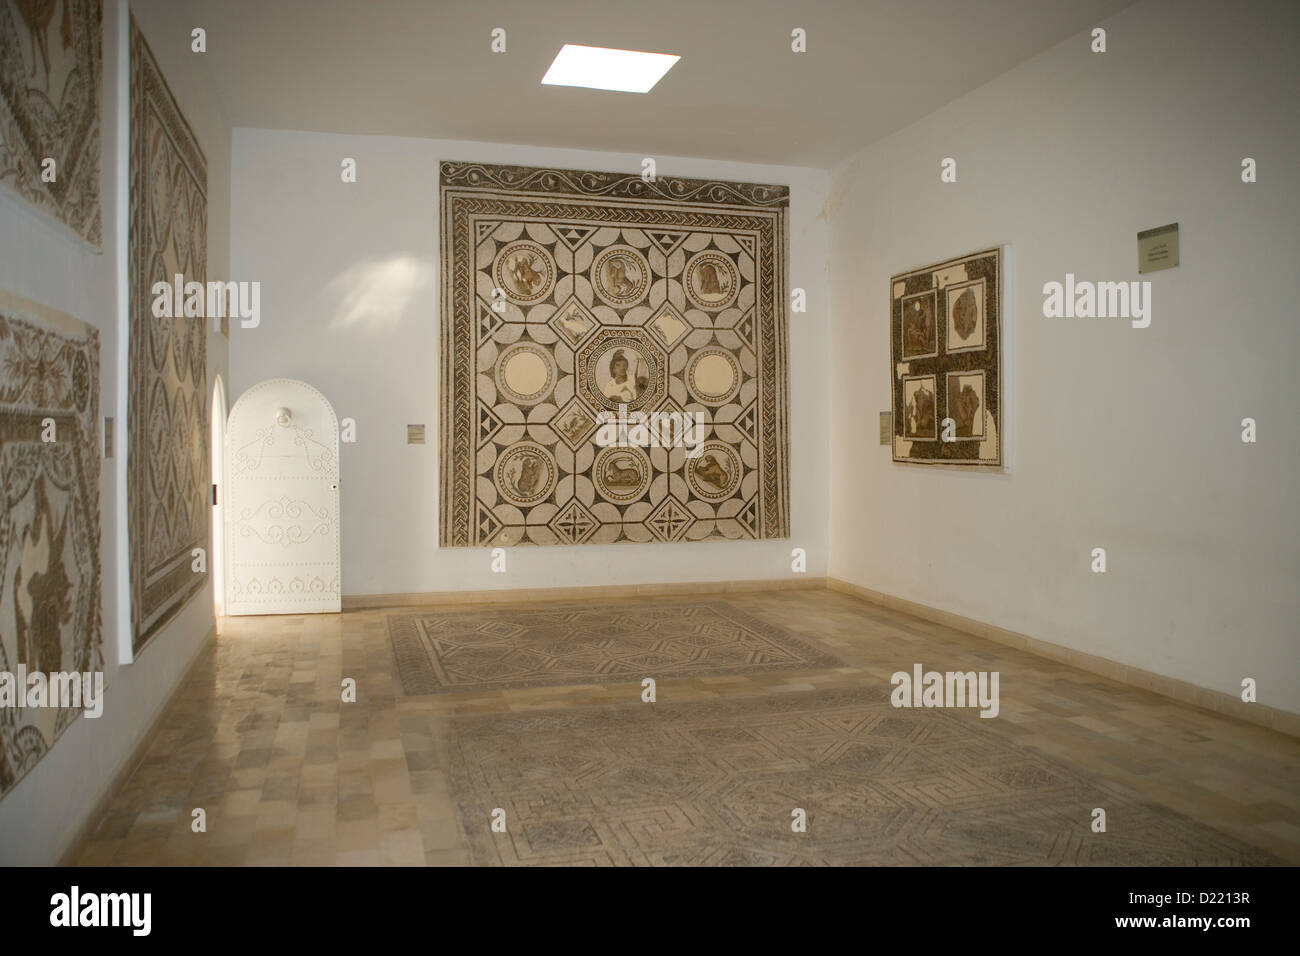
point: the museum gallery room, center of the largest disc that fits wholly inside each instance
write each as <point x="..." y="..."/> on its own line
<point x="696" y="433"/>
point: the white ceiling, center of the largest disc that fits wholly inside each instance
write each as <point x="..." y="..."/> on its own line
<point x="424" y="68"/>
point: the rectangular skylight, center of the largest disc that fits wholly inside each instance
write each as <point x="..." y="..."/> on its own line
<point x="599" y="68"/>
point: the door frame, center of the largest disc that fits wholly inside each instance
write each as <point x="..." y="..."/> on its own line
<point x="217" y="541"/>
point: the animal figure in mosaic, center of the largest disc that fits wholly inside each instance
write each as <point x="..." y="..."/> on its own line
<point x="711" y="471"/>
<point x="621" y="471"/>
<point x="710" y="284"/>
<point x="529" y="476"/>
<point x="526" y="277"/>
<point x="619" y="281"/>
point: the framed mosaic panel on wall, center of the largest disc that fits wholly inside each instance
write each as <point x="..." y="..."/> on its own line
<point x="50" y="614"/>
<point x="168" y="474"/>
<point x="50" y="90"/>
<point x="945" y="338"/>
<point x="572" y="297"/>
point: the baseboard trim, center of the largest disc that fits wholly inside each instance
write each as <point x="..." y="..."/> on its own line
<point x="132" y="763"/>
<point x="360" y="602"/>
<point x="1262" y="715"/>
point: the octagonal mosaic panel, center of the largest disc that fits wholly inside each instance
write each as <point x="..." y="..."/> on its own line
<point x="572" y="295"/>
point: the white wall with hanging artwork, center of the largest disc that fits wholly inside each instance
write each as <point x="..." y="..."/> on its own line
<point x="350" y="301"/>
<point x="282" y="501"/>
<point x="43" y="261"/>
<point x="1126" y="438"/>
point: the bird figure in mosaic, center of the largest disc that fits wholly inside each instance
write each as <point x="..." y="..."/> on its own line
<point x="37" y="15"/>
<point x="575" y="325"/>
<point x="574" y="427"/>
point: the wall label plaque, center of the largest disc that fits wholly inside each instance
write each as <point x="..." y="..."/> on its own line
<point x="1158" y="248"/>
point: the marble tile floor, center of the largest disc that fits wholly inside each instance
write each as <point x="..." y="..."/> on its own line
<point x="288" y="774"/>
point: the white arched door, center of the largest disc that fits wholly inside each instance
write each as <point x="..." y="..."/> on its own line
<point x="217" y="562"/>
<point x="282" y="501"/>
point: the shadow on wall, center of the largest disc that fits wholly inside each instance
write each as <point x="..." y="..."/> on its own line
<point x="374" y="293"/>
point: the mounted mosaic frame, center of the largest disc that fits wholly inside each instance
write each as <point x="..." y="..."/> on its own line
<point x="665" y="296"/>
<point x="51" y="619"/>
<point x="51" y="77"/>
<point x="168" y="474"/>
<point x="945" y="339"/>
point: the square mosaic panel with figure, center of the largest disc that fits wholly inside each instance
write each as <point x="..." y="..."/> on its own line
<point x="946" y="361"/>
<point x="571" y="298"/>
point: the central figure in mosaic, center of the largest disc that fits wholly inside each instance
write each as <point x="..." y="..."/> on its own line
<point x="619" y="387"/>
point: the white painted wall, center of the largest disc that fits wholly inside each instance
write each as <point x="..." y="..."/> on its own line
<point x="307" y="236"/>
<point x="1124" y="439"/>
<point x="41" y="815"/>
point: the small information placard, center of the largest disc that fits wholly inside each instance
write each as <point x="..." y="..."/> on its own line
<point x="415" y="434"/>
<point x="886" y="428"/>
<point x="1158" y="248"/>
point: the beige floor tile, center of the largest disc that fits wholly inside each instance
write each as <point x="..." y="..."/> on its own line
<point x="289" y="774"/>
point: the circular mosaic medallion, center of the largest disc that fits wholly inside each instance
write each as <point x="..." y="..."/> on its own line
<point x="715" y="473"/>
<point x="712" y="280"/>
<point x="525" y="473"/>
<point x="620" y="275"/>
<point x="525" y="373"/>
<point x="622" y="474"/>
<point x="525" y="270"/>
<point x="622" y="369"/>
<point x="713" y="375"/>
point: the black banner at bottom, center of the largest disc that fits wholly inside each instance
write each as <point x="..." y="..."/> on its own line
<point x="656" y="908"/>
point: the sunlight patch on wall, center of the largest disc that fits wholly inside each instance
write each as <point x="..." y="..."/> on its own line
<point x="374" y="293"/>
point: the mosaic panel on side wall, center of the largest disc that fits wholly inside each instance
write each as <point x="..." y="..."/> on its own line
<point x="167" y="471"/>
<point x="945" y="344"/>
<point x="50" y="79"/>
<point x="572" y="298"/>
<point x="50" y="616"/>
